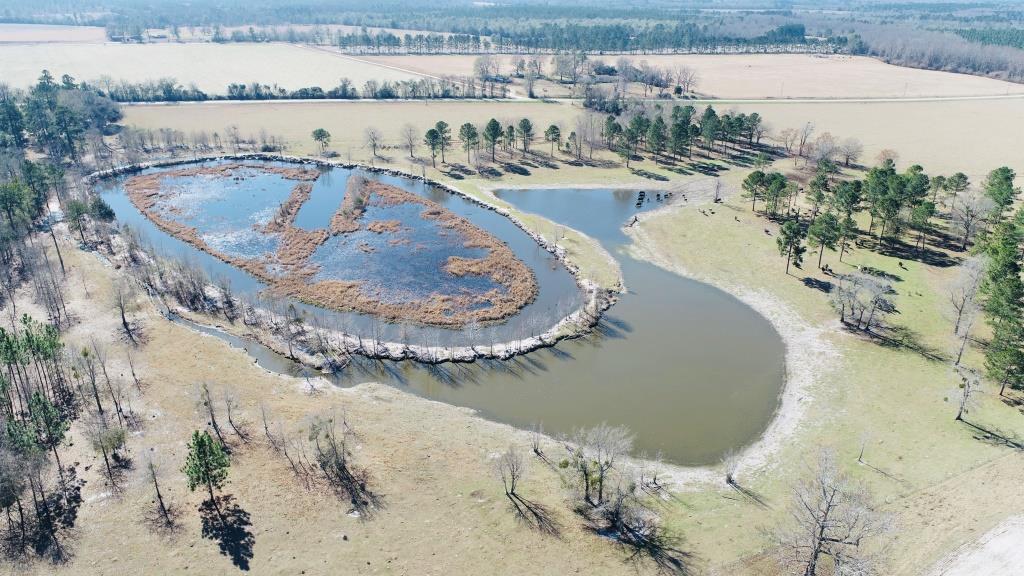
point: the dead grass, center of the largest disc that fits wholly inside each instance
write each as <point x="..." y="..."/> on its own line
<point x="443" y="513"/>
<point x="756" y="75"/>
<point x="35" y="33"/>
<point x="209" y="66"/>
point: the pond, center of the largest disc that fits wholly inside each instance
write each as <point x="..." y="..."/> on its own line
<point x="228" y="224"/>
<point x="691" y="370"/>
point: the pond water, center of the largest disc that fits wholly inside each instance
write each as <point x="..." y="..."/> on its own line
<point x="403" y="265"/>
<point x="399" y="266"/>
<point x="691" y="370"/>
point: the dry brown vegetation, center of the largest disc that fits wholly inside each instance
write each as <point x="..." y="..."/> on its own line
<point x="289" y="526"/>
<point x="210" y="66"/>
<point x="297" y="245"/>
<point x="753" y="75"/>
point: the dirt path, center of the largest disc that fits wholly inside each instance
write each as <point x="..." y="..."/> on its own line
<point x="999" y="552"/>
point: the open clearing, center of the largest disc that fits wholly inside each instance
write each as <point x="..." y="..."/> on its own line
<point x="211" y="67"/>
<point x="346" y="121"/>
<point x="933" y="134"/>
<point x="34" y="33"/>
<point x="768" y="75"/>
<point x="441" y="516"/>
<point x="970" y="136"/>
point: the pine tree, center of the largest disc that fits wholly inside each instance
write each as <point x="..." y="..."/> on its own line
<point x="790" y="242"/>
<point x="206" y="463"/>
<point x="492" y="135"/>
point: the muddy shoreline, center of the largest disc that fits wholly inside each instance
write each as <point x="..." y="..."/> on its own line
<point x="267" y="329"/>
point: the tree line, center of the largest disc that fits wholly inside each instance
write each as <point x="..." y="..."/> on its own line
<point x="169" y="90"/>
<point x="950" y="211"/>
<point x="45" y="384"/>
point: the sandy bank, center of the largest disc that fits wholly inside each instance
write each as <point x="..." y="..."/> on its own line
<point x="810" y="354"/>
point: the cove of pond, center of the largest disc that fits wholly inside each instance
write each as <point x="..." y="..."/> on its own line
<point x="691" y="370"/>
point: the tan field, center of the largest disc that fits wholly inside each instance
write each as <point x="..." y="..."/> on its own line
<point x="346" y="121"/>
<point x="33" y="33"/>
<point x="938" y="135"/>
<point x="970" y="136"/>
<point x="210" y="66"/>
<point x="769" y="75"/>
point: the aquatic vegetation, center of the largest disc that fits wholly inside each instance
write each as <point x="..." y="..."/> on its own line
<point x="385" y="251"/>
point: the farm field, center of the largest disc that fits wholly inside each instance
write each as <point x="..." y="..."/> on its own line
<point x="767" y="75"/>
<point x="908" y="127"/>
<point x="35" y="33"/>
<point x="346" y="121"/>
<point x="970" y="136"/>
<point x="211" y="67"/>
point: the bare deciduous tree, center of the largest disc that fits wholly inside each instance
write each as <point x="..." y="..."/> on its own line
<point x="206" y="399"/>
<point x="862" y="301"/>
<point x="163" y="516"/>
<point x="595" y="452"/>
<point x="969" y="213"/>
<point x="687" y="78"/>
<point x="833" y="523"/>
<point x="887" y="155"/>
<point x="731" y="463"/>
<point x="963" y="299"/>
<point x="803" y="136"/>
<point x="231" y="408"/>
<point x="124" y="300"/>
<point x="373" y="139"/>
<point x="788" y="138"/>
<point x="850" y="149"/>
<point x="510" y="469"/>
<point x="970" y="382"/>
<point x="411" y="139"/>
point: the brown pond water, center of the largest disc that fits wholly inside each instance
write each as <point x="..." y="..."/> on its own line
<point x="691" y="370"/>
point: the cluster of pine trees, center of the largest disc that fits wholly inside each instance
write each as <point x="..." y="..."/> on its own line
<point x="43" y="385"/>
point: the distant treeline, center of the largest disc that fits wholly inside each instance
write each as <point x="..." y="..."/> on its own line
<point x="1013" y="37"/>
<point x="169" y="90"/>
<point x="939" y="51"/>
<point x="547" y="37"/>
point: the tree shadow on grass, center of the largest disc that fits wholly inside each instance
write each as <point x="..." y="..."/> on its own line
<point x="490" y="172"/>
<point x="536" y="516"/>
<point x="929" y="256"/>
<point x="822" y="285"/>
<point x="707" y="168"/>
<point x="750" y="494"/>
<point x="516" y="169"/>
<point x="648" y="174"/>
<point x="46" y="533"/>
<point x="905" y="338"/>
<point x="995" y="437"/>
<point x="225" y="522"/>
<point x="653" y="546"/>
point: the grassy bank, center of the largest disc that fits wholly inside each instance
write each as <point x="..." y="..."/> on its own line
<point x="945" y="481"/>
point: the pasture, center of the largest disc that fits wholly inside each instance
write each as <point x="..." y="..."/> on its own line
<point x="211" y="67"/>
